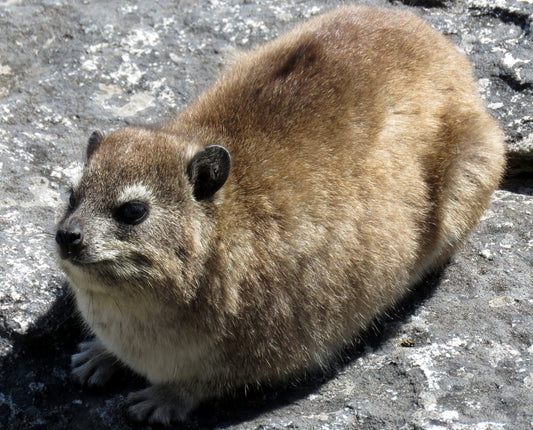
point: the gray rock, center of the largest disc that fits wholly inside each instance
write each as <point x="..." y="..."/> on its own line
<point x="456" y="354"/>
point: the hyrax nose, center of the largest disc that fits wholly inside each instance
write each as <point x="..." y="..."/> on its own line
<point x="69" y="237"/>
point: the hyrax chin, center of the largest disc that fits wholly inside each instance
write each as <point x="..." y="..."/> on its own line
<point x="271" y="221"/>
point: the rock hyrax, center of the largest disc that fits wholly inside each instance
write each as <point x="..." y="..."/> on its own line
<point x="263" y="228"/>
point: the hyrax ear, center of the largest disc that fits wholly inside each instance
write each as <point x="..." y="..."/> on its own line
<point x="208" y="171"/>
<point x="94" y="141"/>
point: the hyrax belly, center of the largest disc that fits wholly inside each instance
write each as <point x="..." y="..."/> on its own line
<point x="271" y="221"/>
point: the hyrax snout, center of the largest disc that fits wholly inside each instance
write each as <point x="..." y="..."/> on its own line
<point x="293" y="202"/>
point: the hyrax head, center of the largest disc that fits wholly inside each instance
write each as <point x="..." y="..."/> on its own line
<point x="140" y="216"/>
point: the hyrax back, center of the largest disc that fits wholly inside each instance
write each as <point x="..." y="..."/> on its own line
<point x="292" y="203"/>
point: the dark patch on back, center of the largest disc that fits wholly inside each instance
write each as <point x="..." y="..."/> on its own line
<point x="302" y="57"/>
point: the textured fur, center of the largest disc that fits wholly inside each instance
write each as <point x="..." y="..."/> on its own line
<point x="362" y="156"/>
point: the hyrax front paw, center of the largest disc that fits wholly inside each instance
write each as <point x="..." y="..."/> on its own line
<point x="160" y="404"/>
<point x="93" y="366"/>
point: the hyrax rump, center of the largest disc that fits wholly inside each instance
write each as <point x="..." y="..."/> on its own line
<point x="271" y="221"/>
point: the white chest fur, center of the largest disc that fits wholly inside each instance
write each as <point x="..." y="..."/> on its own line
<point x="147" y="339"/>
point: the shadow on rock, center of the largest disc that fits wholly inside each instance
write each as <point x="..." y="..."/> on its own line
<point x="423" y="3"/>
<point x="521" y="183"/>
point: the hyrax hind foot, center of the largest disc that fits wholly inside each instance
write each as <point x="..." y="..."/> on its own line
<point x="93" y="366"/>
<point x="160" y="404"/>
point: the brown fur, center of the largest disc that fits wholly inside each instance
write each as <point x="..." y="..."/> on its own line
<point x="361" y="158"/>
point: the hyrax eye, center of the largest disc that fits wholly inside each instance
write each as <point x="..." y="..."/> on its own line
<point x="72" y="201"/>
<point x="131" y="213"/>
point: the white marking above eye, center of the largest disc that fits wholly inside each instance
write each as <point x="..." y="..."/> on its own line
<point x="133" y="192"/>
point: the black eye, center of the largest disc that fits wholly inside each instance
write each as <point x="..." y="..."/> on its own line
<point x="131" y="213"/>
<point x="72" y="201"/>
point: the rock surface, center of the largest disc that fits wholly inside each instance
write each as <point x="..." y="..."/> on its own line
<point x="457" y="354"/>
